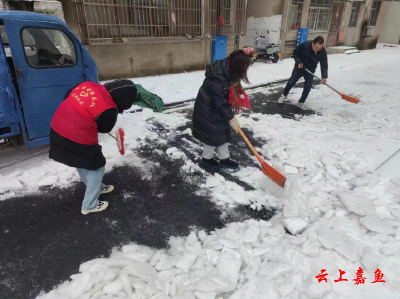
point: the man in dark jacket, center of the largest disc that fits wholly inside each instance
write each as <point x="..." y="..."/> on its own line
<point x="307" y="55"/>
<point x="88" y="109"/>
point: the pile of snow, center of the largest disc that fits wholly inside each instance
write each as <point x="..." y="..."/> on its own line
<point x="253" y="259"/>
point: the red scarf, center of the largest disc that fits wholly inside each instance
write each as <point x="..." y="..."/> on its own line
<point x="238" y="98"/>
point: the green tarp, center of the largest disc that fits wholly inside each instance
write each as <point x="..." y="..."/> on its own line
<point x="146" y="99"/>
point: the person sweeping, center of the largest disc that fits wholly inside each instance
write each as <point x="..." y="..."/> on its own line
<point x="88" y="109"/>
<point x="307" y="55"/>
<point x="221" y="97"/>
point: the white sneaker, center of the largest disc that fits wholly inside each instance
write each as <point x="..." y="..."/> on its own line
<point x="282" y="99"/>
<point x="302" y="106"/>
<point x="101" y="206"/>
<point x="107" y="189"/>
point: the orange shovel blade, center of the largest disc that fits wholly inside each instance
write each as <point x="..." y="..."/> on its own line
<point x="273" y="174"/>
<point x="349" y="99"/>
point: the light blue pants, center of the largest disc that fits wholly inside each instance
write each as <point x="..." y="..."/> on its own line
<point x="93" y="179"/>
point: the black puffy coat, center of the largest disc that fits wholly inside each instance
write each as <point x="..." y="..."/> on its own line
<point x="304" y="54"/>
<point x="212" y="112"/>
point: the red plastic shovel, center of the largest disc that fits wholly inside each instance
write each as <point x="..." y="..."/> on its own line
<point x="269" y="171"/>
<point x="344" y="97"/>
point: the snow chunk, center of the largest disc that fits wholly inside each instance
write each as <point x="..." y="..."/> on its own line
<point x="357" y="204"/>
<point x="395" y="212"/>
<point x="347" y="251"/>
<point x="329" y="160"/>
<point x="113" y="288"/>
<point x="344" y="166"/>
<point x="274" y="269"/>
<point x="186" y="262"/>
<point x="185" y="295"/>
<point x="294" y="225"/>
<point x="212" y="181"/>
<point x="332" y="171"/>
<point x="329" y="238"/>
<point x="205" y="295"/>
<point x="317" y="290"/>
<point x="251" y="235"/>
<point x="167" y="263"/>
<point x="13" y="184"/>
<point x="290" y="169"/>
<point x="140" y="256"/>
<point x="375" y="224"/>
<point x="142" y="270"/>
<point x="225" y="281"/>
<point x="229" y="243"/>
<point x="371" y="261"/>
<point x="270" y="186"/>
<point x="49" y="181"/>
<point x="311" y="247"/>
<point x="396" y="181"/>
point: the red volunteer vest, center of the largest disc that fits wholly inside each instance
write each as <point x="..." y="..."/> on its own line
<point x="75" y="117"/>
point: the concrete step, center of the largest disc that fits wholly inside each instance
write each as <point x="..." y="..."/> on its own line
<point x="342" y="50"/>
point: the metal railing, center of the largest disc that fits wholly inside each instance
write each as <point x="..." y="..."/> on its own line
<point x="133" y="21"/>
<point x="231" y="17"/>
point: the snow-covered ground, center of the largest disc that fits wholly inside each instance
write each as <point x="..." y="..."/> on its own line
<point x="341" y="213"/>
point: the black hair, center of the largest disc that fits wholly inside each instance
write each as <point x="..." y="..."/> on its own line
<point x="318" y="40"/>
<point x="239" y="63"/>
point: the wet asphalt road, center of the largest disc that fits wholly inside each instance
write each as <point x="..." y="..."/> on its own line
<point x="44" y="238"/>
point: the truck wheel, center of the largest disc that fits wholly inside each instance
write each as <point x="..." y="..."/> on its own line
<point x="275" y="59"/>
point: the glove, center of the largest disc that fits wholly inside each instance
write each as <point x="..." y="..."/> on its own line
<point x="234" y="124"/>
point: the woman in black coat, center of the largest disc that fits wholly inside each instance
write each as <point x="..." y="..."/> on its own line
<point x="220" y="97"/>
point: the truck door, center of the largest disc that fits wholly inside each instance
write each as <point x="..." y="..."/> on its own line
<point x="48" y="63"/>
<point x="9" y="120"/>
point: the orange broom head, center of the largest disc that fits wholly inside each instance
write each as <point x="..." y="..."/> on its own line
<point x="273" y="174"/>
<point x="349" y="99"/>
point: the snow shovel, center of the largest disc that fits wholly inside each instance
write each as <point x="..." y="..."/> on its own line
<point x="269" y="171"/>
<point x="344" y="97"/>
<point x="120" y="140"/>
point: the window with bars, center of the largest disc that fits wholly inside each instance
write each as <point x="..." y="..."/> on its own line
<point x="295" y="14"/>
<point x="355" y="11"/>
<point x="231" y="17"/>
<point x="319" y="14"/>
<point x="376" y="7"/>
<point x="123" y="21"/>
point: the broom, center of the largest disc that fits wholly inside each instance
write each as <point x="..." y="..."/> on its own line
<point x="344" y="97"/>
<point x="269" y="171"/>
<point x="120" y="140"/>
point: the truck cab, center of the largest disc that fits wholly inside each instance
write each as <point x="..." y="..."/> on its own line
<point x="40" y="60"/>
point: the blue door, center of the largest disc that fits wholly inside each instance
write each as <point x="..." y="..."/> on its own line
<point x="48" y="62"/>
<point x="219" y="46"/>
<point x="9" y="120"/>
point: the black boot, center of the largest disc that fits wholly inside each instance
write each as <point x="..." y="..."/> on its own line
<point x="211" y="163"/>
<point x="228" y="163"/>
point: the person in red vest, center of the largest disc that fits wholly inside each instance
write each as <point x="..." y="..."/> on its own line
<point x="89" y="109"/>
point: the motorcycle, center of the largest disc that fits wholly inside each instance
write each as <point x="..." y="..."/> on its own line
<point x="266" y="51"/>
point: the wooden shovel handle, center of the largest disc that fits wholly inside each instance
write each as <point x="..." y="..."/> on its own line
<point x="250" y="146"/>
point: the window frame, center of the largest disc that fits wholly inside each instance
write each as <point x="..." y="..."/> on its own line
<point x="299" y="13"/>
<point x="375" y="11"/>
<point x="316" y="21"/>
<point x="355" y="13"/>
<point x="47" y="67"/>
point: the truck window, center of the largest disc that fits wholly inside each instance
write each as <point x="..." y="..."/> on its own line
<point x="4" y="38"/>
<point x="48" y="48"/>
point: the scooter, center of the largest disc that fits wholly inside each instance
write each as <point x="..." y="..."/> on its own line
<point x="266" y="51"/>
